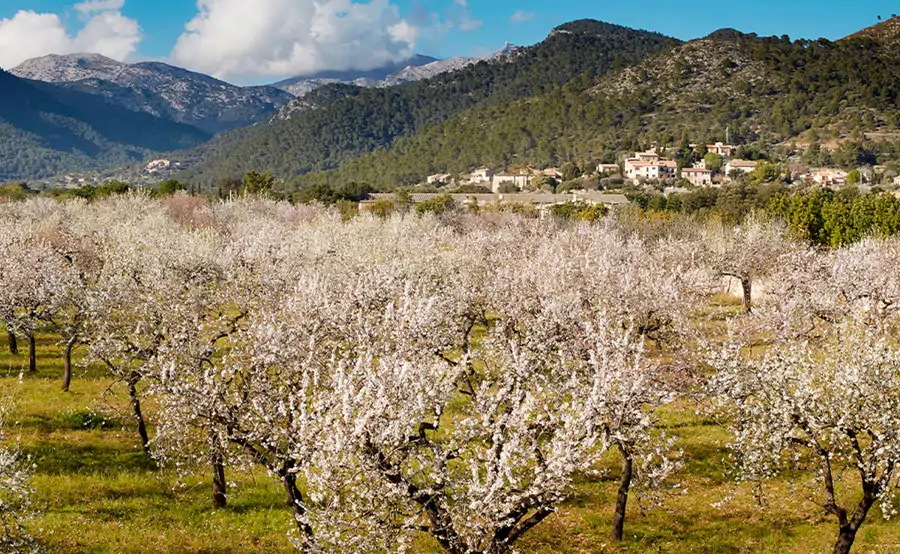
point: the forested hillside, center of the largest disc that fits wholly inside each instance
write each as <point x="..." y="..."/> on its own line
<point x="355" y="124"/>
<point x="762" y="88"/>
<point x="46" y="129"/>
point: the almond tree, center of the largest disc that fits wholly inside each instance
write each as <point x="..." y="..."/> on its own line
<point x="15" y="493"/>
<point x="646" y="288"/>
<point x="27" y="263"/>
<point x="811" y="289"/>
<point x="863" y="282"/>
<point x="748" y="251"/>
<point x="209" y="375"/>
<point x="74" y="272"/>
<point x="44" y="275"/>
<point x="140" y="251"/>
<point x="833" y="407"/>
<point x="479" y="444"/>
<point x="204" y="312"/>
<point x="40" y="289"/>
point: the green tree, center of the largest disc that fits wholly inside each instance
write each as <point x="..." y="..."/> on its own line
<point x="170" y="186"/>
<point x="854" y="177"/>
<point x="713" y="161"/>
<point x="570" y="171"/>
<point x="15" y="191"/>
<point x="437" y="205"/>
<point x="765" y="172"/>
<point x="257" y="183"/>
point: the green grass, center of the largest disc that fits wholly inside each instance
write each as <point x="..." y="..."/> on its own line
<point x="98" y="494"/>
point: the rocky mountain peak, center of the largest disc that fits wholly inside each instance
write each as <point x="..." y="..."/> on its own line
<point x="66" y="68"/>
<point x="159" y="89"/>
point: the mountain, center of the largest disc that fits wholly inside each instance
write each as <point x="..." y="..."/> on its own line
<point x="768" y="91"/>
<point x="886" y="31"/>
<point x="304" y="84"/>
<point x="159" y="89"/>
<point x="417" y="68"/>
<point x="355" y="121"/>
<point x="427" y="71"/>
<point x="47" y="129"/>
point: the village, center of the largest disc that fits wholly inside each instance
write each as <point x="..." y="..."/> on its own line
<point x="657" y="168"/>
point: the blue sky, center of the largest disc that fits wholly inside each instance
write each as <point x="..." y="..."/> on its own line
<point x="150" y="29"/>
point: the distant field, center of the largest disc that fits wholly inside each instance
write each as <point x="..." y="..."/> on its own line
<point x="97" y="493"/>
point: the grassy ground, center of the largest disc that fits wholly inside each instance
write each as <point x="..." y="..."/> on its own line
<point x="97" y="494"/>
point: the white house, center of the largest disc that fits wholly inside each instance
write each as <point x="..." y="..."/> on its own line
<point x="724" y="150"/>
<point x="158" y="165"/>
<point x="609" y="169"/>
<point x="521" y="181"/>
<point x="828" y="177"/>
<point x="439" y="178"/>
<point x="697" y="176"/>
<point x="744" y="166"/>
<point x="661" y="169"/>
<point x="481" y="175"/>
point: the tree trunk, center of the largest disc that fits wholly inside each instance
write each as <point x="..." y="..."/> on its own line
<point x="295" y="499"/>
<point x="747" y="287"/>
<point x="67" y="364"/>
<point x="138" y="414"/>
<point x="622" y="499"/>
<point x="220" y="500"/>
<point x="847" y="534"/>
<point x="32" y="353"/>
<point x="845" y="540"/>
<point x="13" y="343"/>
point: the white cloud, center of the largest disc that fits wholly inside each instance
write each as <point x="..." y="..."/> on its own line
<point x="92" y="6"/>
<point x="463" y="3"/>
<point x="521" y="17"/>
<point x="270" y="38"/>
<point x="105" y="31"/>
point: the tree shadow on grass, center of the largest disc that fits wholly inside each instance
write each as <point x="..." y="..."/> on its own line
<point x="54" y="458"/>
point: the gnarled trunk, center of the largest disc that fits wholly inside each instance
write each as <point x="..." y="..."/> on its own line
<point x="32" y="353"/>
<point x="845" y="541"/>
<point x="295" y="499"/>
<point x="747" y="289"/>
<point x="138" y="414"/>
<point x="622" y="499"/>
<point x="13" y="343"/>
<point x="67" y="364"/>
<point x="848" y="530"/>
<point x="220" y="499"/>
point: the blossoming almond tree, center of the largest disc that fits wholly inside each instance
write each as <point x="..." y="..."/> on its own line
<point x="143" y="269"/>
<point x="834" y="407"/>
<point x="28" y="266"/>
<point x="478" y="451"/>
<point x="223" y="367"/>
<point x="593" y="278"/>
<point x="811" y="290"/>
<point x="747" y="252"/>
<point x="15" y="492"/>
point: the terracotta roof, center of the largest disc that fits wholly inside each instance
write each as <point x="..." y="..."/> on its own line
<point x="660" y="163"/>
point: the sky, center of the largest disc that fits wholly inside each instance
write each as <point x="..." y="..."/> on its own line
<point x="261" y="41"/>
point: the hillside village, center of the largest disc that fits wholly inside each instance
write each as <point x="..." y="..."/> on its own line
<point x="661" y="168"/>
